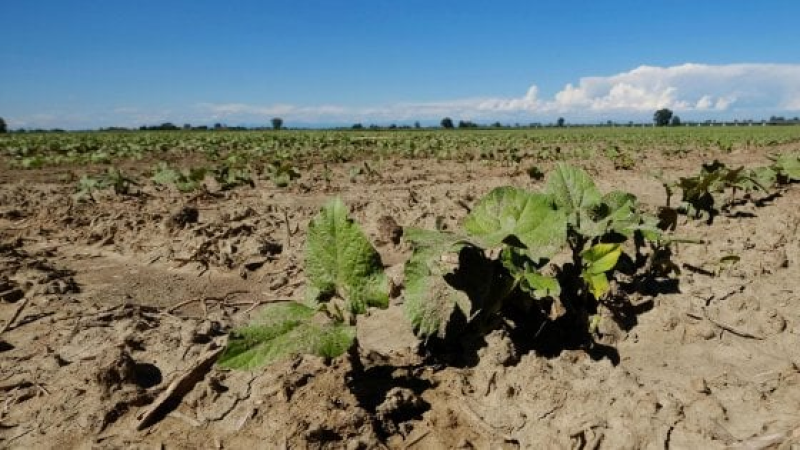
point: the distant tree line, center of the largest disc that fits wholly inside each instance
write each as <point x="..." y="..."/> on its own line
<point x="661" y="118"/>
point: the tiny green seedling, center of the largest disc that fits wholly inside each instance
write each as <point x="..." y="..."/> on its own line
<point x="112" y="179"/>
<point x="345" y="277"/>
<point x="186" y="180"/>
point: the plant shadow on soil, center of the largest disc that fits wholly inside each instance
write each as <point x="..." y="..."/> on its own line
<point x="391" y="395"/>
<point x="531" y="330"/>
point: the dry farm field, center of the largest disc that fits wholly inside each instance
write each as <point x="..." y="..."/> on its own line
<point x="532" y="288"/>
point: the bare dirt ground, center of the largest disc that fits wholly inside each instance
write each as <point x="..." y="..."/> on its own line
<point x="112" y="313"/>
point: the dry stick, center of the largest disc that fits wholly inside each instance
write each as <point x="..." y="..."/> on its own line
<point x="223" y="299"/>
<point x="414" y="441"/>
<point x="732" y="330"/>
<point x="16" y="314"/>
<point x="177" y="389"/>
<point x="288" y="228"/>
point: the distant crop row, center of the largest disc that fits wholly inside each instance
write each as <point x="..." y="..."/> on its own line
<point x="39" y="150"/>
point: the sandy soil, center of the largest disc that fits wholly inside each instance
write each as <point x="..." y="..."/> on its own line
<point x="108" y="307"/>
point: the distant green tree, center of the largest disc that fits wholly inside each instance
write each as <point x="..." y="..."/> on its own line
<point x="357" y="126"/>
<point x="3" y="126"/>
<point x="676" y="121"/>
<point x="662" y="117"/>
<point x="417" y="125"/>
<point x="277" y="123"/>
<point x="447" y="123"/>
<point x="560" y="122"/>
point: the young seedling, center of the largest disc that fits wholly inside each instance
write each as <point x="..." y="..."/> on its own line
<point x="345" y="277"/>
<point x="701" y="194"/>
<point x="186" y="180"/>
<point x="113" y="179"/>
<point x="512" y="249"/>
<point x="282" y="172"/>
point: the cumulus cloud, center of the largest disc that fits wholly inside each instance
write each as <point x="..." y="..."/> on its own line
<point x="688" y="88"/>
<point x="693" y="90"/>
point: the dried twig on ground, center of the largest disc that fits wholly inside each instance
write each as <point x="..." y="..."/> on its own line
<point x="172" y="396"/>
<point x="14" y="316"/>
<point x="224" y="300"/>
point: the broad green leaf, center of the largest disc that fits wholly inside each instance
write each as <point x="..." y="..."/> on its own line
<point x="598" y="284"/>
<point x="164" y="175"/>
<point x="760" y="178"/>
<point x="649" y="227"/>
<point x="573" y="191"/>
<point x="617" y="200"/>
<point x="185" y="181"/>
<point x="448" y="282"/>
<point x="433" y="240"/>
<point x="510" y="215"/>
<point x="540" y="285"/>
<point x="341" y="261"/>
<point x="429" y="300"/>
<point x="600" y="258"/>
<point x="789" y="166"/>
<point x="283" y="330"/>
<point x="622" y="216"/>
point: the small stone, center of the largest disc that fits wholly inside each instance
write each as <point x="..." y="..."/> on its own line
<point x="706" y="331"/>
<point x="699" y="385"/>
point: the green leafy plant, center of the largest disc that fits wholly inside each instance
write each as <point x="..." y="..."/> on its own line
<point x="282" y="172"/>
<point x="555" y="250"/>
<point x="186" y="180"/>
<point x="112" y="179"/>
<point x="622" y="160"/>
<point x="230" y="177"/>
<point x="703" y="195"/>
<point x="281" y="330"/>
<point x="345" y="277"/>
<point x="786" y="168"/>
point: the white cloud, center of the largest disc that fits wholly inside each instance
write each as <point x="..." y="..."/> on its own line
<point x="693" y="90"/>
<point x="689" y="88"/>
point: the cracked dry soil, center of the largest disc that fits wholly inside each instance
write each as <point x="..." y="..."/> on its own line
<point x="113" y="310"/>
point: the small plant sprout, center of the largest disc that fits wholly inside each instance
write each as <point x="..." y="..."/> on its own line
<point x="345" y="277"/>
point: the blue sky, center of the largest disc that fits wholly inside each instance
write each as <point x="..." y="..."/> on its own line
<point x="85" y="64"/>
